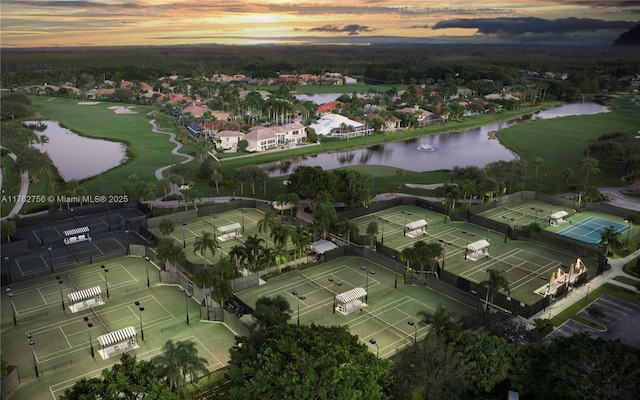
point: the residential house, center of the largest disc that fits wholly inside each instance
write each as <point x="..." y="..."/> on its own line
<point x="228" y="140"/>
<point x="262" y="138"/>
<point x="389" y="124"/>
<point x="335" y="125"/>
<point x="423" y="117"/>
<point x="330" y="107"/>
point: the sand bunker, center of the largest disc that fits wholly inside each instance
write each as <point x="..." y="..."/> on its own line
<point x="428" y="187"/>
<point x="123" y="110"/>
<point x="88" y="103"/>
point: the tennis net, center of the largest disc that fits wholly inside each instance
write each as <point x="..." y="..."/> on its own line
<point x="72" y="282"/>
<point x="316" y="284"/>
<point x="403" y="335"/>
<point x="98" y="319"/>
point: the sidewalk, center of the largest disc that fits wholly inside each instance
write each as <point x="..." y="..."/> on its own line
<point x="579" y="293"/>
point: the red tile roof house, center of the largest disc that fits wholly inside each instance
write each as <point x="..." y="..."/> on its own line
<point x="328" y="108"/>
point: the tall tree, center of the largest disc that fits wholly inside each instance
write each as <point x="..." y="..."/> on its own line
<point x="205" y="242"/>
<point x="324" y="218"/>
<point x="350" y="229"/>
<point x="127" y="379"/>
<point x="589" y="166"/>
<point x="372" y="232"/>
<point x="430" y="369"/>
<point x="497" y="281"/>
<point x="178" y="361"/>
<point x="167" y="226"/>
<point x="611" y="239"/>
<point x="304" y="362"/>
<point x="268" y="222"/>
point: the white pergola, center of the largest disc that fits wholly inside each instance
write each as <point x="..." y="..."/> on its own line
<point x="76" y="235"/>
<point x="117" y="342"/>
<point x="230" y="231"/>
<point x="557" y="218"/>
<point x="83" y="299"/>
<point x="478" y="250"/>
<point x="416" y="228"/>
<point x="351" y="300"/>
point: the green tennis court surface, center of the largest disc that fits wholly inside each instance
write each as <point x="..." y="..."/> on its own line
<point x="62" y="337"/>
<point x="388" y="310"/>
<point x="524" y="212"/>
<point x="188" y="231"/>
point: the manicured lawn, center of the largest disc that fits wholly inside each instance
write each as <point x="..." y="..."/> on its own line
<point x="150" y="150"/>
<point x="561" y="142"/>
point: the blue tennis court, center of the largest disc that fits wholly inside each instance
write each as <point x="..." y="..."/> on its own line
<point x="589" y="230"/>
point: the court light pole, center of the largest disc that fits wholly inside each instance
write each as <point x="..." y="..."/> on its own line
<point x="50" y="260"/>
<point x="404" y="225"/>
<point x="60" y="282"/>
<point x="395" y="269"/>
<point x="367" y="272"/>
<point x="295" y="293"/>
<point x="382" y="222"/>
<point x="146" y="258"/>
<point x="333" y="281"/>
<point x="6" y="262"/>
<point x="33" y="352"/>
<point x="467" y="242"/>
<point x="415" y="331"/>
<point x="187" y="295"/>
<point x="535" y="218"/>
<point x="184" y="242"/>
<point x="89" y="326"/>
<point x="13" y="307"/>
<point x="373" y="342"/>
<point x="106" y="281"/>
<point x="41" y="237"/>
<point x="137" y="303"/>
<point x="242" y="211"/>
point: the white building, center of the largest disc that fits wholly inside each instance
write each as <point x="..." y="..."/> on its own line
<point x="335" y="125"/>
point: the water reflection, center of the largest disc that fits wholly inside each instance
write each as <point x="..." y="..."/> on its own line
<point x="475" y="147"/>
<point x="78" y="157"/>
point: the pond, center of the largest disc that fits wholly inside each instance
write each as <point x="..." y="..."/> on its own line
<point x="78" y="157"/>
<point x="472" y="147"/>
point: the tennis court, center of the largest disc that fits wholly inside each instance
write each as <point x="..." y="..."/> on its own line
<point x="388" y="309"/>
<point x="53" y="232"/>
<point x="527" y="267"/>
<point x="392" y="222"/>
<point x="187" y="231"/>
<point x="524" y="212"/>
<point x="62" y="340"/>
<point x="589" y="230"/>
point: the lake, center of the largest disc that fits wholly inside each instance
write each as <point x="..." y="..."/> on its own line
<point x="473" y="147"/>
<point x="78" y="157"/>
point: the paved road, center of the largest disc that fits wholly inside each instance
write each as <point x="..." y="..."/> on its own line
<point x="24" y="189"/>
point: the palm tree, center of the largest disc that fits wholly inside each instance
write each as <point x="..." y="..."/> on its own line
<point x="442" y="322"/>
<point x="205" y="242"/>
<point x="268" y="222"/>
<point x="205" y="278"/>
<point x="611" y="238"/>
<point x="179" y="359"/>
<point x="252" y="249"/>
<point x="280" y="234"/>
<point x="372" y="232"/>
<point x="223" y="291"/>
<point x="266" y="257"/>
<point x="538" y="161"/>
<point x="350" y="229"/>
<point x="589" y="166"/>
<point x="300" y="238"/>
<point x="237" y="254"/>
<point x="497" y="281"/>
<point x="293" y="200"/>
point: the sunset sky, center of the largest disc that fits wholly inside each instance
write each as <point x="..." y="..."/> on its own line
<point x="36" y="23"/>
